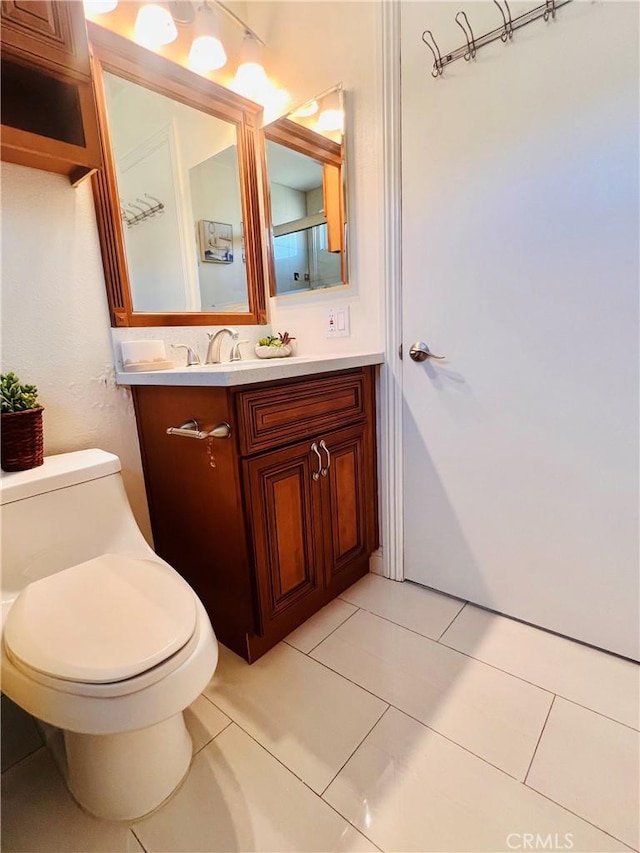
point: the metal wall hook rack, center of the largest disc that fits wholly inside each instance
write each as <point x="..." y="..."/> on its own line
<point x="437" y="58"/>
<point x="468" y="34"/>
<point x="504" y="32"/>
<point x="132" y="213"/>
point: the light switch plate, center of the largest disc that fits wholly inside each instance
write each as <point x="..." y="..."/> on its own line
<point x="338" y="322"/>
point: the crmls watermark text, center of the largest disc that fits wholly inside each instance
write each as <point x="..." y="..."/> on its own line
<point x="537" y="841"/>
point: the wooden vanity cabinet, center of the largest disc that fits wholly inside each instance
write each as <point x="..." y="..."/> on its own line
<point x="287" y="518"/>
<point x="49" y="118"/>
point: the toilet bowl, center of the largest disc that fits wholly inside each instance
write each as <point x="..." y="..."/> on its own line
<point x="100" y="637"/>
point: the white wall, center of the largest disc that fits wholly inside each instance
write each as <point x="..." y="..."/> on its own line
<point x="310" y="47"/>
<point x="55" y="323"/>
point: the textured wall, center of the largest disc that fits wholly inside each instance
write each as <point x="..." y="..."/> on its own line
<point x="55" y="325"/>
<point x="310" y="47"/>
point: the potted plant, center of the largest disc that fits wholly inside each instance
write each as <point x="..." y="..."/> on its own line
<point x="21" y="423"/>
<point x="275" y="346"/>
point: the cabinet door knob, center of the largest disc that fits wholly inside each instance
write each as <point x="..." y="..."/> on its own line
<point x="324" y="471"/>
<point x="316" y="474"/>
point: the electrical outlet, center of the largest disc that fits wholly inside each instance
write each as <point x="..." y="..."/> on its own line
<point x="338" y="325"/>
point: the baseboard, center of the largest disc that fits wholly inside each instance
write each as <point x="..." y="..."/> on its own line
<point x="376" y="565"/>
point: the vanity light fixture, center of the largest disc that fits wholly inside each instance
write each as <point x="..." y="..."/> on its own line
<point x="207" y="52"/>
<point x="251" y="79"/>
<point x="154" y="26"/>
<point x="99" y="7"/>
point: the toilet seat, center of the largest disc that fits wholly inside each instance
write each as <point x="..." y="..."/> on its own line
<point x="99" y="623"/>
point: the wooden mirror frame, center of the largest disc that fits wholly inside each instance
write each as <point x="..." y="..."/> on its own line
<point x="119" y="56"/>
<point x="329" y="154"/>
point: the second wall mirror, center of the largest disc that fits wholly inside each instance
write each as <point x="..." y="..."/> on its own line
<point x="178" y="205"/>
<point x="306" y="166"/>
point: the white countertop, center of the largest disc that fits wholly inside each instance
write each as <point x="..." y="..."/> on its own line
<point x="250" y="371"/>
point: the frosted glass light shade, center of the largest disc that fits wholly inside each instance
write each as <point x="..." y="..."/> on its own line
<point x="306" y="110"/>
<point x="99" y="7"/>
<point x="251" y="80"/>
<point x="154" y="27"/>
<point x="206" y="54"/>
<point x="330" y="120"/>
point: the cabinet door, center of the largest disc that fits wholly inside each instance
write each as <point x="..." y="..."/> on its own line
<point x="48" y="32"/>
<point x="286" y="513"/>
<point x="347" y="499"/>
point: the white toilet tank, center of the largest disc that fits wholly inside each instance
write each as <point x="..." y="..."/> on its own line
<point x="70" y="509"/>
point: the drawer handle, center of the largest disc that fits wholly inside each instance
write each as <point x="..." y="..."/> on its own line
<point x="190" y="429"/>
<point x="324" y="471"/>
<point x="316" y="474"/>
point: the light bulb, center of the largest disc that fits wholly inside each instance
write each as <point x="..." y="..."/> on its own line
<point x="99" y="7"/>
<point x="330" y="120"/>
<point x="154" y="27"/>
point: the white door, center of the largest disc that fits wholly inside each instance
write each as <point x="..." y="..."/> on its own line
<point x="520" y="265"/>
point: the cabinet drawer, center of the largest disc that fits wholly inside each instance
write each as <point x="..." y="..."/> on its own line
<point x="279" y="415"/>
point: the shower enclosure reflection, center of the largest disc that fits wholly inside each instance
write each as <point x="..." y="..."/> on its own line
<point x="307" y="172"/>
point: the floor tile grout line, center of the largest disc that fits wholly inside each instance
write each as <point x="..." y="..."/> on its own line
<point x="354" y="752"/>
<point x="416" y="720"/>
<point x="400" y="625"/>
<point x="441" y="645"/>
<point x="465" y="654"/>
<point x="460" y="746"/>
<point x="580" y="817"/>
<point x="544" y="725"/>
<point x="494" y="666"/>
<point x="133" y="832"/>
<point x="539" y="686"/>
<point x="24" y="758"/>
<point x="300" y="779"/>
<point x="335" y="629"/>
<point x="211" y="739"/>
<point x="598" y="713"/>
<point x="452" y="621"/>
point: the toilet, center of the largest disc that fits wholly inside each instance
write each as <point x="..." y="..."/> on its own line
<point x="101" y="639"/>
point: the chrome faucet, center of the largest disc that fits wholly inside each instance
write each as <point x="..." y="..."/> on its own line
<point x="215" y="342"/>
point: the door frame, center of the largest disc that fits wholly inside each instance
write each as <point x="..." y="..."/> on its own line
<point x="391" y="393"/>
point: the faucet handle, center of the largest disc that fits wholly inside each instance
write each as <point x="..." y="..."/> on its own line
<point x="236" y="355"/>
<point x="192" y="357"/>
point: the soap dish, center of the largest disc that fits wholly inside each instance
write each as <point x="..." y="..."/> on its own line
<point x="139" y="366"/>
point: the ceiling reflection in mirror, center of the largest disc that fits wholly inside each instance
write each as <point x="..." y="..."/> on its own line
<point x="180" y="202"/>
<point x="307" y="183"/>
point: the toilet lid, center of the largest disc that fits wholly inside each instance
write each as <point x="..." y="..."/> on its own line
<point x="105" y="620"/>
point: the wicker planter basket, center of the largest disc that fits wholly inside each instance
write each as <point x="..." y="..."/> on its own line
<point x="21" y="439"/>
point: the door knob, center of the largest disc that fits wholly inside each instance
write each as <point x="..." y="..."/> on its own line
<point x="420" y="352"/>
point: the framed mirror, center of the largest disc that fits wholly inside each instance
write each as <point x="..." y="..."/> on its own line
<point x="178" y="204"/>
<point x="306" y="166"/>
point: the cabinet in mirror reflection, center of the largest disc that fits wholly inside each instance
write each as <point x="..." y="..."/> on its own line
<point x="306" y="166"/>
<point x="180" y="221"/>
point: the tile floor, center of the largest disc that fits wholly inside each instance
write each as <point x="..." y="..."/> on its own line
<point x="396" y="719"/>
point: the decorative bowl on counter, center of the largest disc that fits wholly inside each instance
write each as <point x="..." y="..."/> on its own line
<point x="273" y="351"/>
<point x="275" y="346"/>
